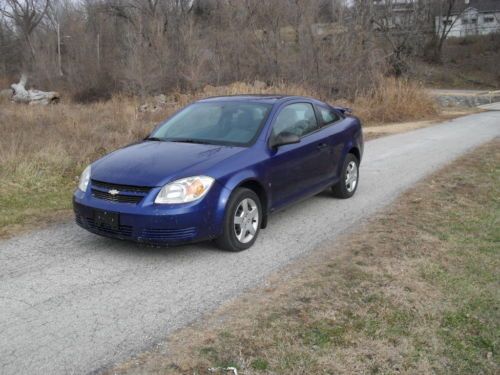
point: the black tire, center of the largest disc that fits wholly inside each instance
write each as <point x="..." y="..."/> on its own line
<point x="342" y="189"/>
<point x="228" y="240"/>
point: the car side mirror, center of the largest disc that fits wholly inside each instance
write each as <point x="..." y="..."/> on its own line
<point x="284" y="138"/>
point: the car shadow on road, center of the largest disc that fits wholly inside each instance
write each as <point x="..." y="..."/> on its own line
<point x="141" y="249"/>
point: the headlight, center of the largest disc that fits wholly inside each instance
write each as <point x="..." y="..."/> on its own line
<point x="184" y="190"/>
<point x="84" y="179"/>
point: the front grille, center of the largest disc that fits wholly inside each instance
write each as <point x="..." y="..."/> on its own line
<point x="169" y="234"/>
<point x="80" y="220"/>
<point x="123" y="230"/>
<point x="122" y="188"/>
<point x="123" y="193"/>
<point x="121" y="198"/>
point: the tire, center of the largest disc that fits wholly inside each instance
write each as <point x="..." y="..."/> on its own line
<point x="238" y="236"/>
<point x="347" y="186"/>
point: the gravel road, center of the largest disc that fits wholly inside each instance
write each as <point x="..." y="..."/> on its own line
<point x="72" y="302"/>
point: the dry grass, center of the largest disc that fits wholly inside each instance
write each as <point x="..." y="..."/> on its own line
<point x="391" y="100"/>
<point x="395" y="101"/>
<point x="408" y="294"/>
<point x="44" y="149"/>
<point x="239" y="88"/>
<point x="4" y="83"/>
<point x="468" y="63"/>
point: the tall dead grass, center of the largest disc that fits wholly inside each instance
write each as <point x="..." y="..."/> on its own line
<point x="238" y="88"/>
<point x="4" y="83"/>
<point x="395" y="100"/>
<point x="391" y="100"/>
<point x="65" y="136"/>
<point x="44" y="149"/>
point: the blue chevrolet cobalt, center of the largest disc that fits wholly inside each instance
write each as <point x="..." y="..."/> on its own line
<point x="218" y="168"/>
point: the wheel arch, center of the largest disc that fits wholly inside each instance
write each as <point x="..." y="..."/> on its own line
<point x="257" y="188"/>
<point x="355" y="151"/>
<point x="349" y="148"/>
<point x="248" y="178"/>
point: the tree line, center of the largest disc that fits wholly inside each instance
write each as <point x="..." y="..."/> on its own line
<point x="97" y="47"/>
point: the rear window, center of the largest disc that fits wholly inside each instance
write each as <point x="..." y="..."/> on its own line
<point x="298" y="119"/>
<point x="328" y="115"/>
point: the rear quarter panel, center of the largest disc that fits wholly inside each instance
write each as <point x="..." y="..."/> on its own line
<point x="343" y="136"/>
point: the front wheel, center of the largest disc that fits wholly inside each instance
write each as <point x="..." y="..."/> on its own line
<point x="349" y="178"/>
<point x="241" y="222"/>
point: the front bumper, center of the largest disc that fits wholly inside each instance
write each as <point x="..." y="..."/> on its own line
<point x="151" y="223"/>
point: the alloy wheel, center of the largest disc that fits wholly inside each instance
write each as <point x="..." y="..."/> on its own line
<point x="351" y="176"/>
<point x="246" y="220"/>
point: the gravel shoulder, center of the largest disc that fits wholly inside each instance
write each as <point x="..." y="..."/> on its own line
<point x="74" y="303"/>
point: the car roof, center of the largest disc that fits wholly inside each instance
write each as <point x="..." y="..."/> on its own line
<point x="270" y="99"/>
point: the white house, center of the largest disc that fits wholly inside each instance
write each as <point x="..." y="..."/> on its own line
<point x="471" y="17"/>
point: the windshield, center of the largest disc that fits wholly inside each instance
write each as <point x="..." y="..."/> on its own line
<point x="215" y="123"/>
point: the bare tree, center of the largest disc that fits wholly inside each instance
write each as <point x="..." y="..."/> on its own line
<point x="448" y="13"/>
<point x="405" y="26"/>
<point x="8" y="51"/>
<point x="26" y="15"/>
<point x="93" y="48"/>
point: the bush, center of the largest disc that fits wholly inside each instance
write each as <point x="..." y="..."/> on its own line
<point x="92" y="95"/>
<point x="395" y="100"/>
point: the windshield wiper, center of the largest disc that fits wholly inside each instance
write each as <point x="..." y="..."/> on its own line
<point x="189" y="140"/>
<point x="154" y="139"/>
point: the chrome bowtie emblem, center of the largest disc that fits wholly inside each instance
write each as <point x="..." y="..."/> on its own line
<point x="113" y="192"/>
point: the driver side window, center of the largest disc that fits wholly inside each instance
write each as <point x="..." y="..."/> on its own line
<point x="298" y="119"/>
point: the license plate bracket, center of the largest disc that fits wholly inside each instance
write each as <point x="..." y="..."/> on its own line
<point x="107" y="219"/>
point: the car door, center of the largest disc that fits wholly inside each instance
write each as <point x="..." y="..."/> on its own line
<point x="296" y="169"/>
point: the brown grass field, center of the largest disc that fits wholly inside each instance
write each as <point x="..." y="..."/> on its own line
<point x="44" y="149"/>
<point x="415" y="291"/>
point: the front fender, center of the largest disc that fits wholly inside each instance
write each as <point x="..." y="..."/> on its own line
<point x="229" y="186"/>
<point x="240" y="177"/>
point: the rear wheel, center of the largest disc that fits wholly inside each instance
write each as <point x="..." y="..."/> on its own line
<point x="349" y="178"/>
<point x="241" y="222"/>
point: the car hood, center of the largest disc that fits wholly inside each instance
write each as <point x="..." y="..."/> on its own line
<point x="155" y="163"/>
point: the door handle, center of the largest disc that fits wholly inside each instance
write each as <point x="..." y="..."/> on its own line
<point x="322" y="146"/>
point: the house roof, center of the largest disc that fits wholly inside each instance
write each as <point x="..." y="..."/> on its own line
<point x="482" y="6"/>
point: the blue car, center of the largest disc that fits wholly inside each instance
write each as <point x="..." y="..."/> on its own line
<point x="218" y="168"/>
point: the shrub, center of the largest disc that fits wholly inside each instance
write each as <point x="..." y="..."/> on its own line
<point x="395" y="100"/>
<point x="92" y="95"/>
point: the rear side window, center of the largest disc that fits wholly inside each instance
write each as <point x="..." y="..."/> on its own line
<point x="328" y="115"/>
<point x="298" y="119"/>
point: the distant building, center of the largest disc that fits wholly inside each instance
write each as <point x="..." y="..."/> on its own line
<point x="395" y="13"/>
<point x="471" y="17"/>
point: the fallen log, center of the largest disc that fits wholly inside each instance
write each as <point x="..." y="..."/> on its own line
<point x="32" y="97"/>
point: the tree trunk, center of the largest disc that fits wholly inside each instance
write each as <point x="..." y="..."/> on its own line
<point x="21" y="95"/>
